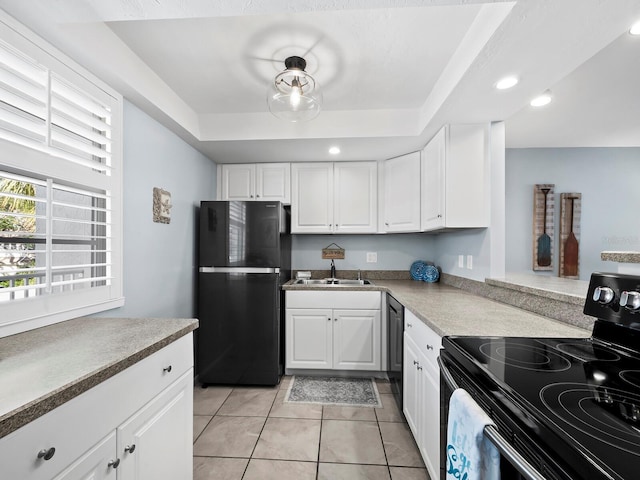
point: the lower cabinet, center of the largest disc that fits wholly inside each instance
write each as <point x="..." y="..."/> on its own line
<point x="421" y="389"/>
<point x="333" y="338"/>
<point x="135" y="425"/>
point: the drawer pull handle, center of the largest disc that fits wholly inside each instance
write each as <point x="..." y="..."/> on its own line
<point x="114" y="463"/>
<point x="409" y="325"/>
<point x="47" y="453"/>
<point x="167" y="369"/>
<point x="130" y="448"/>
<point x="415" y="362"/>
<point x="429" y="347"/>
<point x="419" y="367"/>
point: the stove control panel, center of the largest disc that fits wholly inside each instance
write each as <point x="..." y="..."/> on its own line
<point x="614" y="297"/>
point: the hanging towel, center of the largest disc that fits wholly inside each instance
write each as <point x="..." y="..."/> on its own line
<point x="470" y="455"/>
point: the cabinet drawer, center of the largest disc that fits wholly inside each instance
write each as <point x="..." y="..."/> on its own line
<point x="79" y="424"/>
<point x="427" y="341"/>
<point x="349" y="299"/>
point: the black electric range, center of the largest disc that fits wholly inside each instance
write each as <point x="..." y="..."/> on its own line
<point x="569" y="406"/>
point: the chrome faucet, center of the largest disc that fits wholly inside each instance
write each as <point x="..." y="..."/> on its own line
<point x="333" y="269"/>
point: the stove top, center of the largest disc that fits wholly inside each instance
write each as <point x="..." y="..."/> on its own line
<point x="577" y="398"/>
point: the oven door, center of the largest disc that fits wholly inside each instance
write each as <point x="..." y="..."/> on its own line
<point x="513" y="466"/>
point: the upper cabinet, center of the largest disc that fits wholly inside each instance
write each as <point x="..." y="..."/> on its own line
<point x="454" y="179"/>
<point x="334" y="197"/>
<point x="255" y="181"/>
<point x="401" y="209"/>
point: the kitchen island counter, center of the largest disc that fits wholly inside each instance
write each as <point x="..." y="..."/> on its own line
<point x="43" y="368"/>
<point x="449" y="310"/>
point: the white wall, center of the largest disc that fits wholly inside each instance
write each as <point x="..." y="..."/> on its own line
<point x="160" y="259"/>
<point x="395" y="251"/>
<point x="609" y="180"/>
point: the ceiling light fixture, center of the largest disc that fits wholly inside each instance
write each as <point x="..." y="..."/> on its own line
<point x="294" y="95"/>
<point x="635" y="29"/>
<point x="507" y="82"/>
<point x="541" y="100"/>
<point x="334" y="150"/>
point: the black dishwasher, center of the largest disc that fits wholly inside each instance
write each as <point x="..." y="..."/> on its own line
<point x="395" y="319"/>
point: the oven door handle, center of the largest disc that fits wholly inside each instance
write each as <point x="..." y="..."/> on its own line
<point x="491" y="432"/>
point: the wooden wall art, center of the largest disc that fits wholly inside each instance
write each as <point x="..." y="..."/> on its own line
<point x="543" y="229"/>
<point x="161" y="206"/>
<point x="570" y="209"/>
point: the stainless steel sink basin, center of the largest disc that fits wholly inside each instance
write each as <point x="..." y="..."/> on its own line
<point x="331" y="281"/>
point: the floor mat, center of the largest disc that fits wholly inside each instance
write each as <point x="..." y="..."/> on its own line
<point x="352" y="392"/>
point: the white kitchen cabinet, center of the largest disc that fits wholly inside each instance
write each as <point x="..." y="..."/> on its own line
<point x="333" y="330"/>
<point x="401" y="179"/>
<point x="99" y="463"/>
<point x="421" y="389"/>
<point x="255" y="181"/>
<point x="84" y="435"/>
<point x="454" y="179"/>
<point x="334" y="197"/>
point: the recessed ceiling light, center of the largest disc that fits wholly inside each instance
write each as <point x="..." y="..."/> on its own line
<point x="507" y="82"/>
<point x="635" y="29"/>
<point x="334" y="150"/>
<point x="542" y="100"/>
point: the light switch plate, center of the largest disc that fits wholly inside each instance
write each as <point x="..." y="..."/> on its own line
<point x="372" y="257"/>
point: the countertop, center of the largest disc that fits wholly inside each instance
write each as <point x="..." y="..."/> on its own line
<point x="621" y="257"/>
<point x="43" y="368"/>
<point x="449" y="310"/>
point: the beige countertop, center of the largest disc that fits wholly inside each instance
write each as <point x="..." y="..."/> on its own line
<point x="43" y="368"/>
<point x="452" y="311"/>
<point x="621" y="257"/>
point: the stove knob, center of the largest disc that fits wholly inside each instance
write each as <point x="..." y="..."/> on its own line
<point x="630" y="300"/>
<point x="603" y="295"/>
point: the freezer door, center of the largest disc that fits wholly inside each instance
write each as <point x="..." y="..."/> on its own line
<point x="239" y="338"/>
<point x="240" y="234"/>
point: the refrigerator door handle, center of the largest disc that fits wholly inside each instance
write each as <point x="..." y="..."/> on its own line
<point x="239" y="270"/>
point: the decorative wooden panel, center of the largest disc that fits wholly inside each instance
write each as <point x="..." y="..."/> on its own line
<point x="543" y="226"/>
<point x="570" y="210"/>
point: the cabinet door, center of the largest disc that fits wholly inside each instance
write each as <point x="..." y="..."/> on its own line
<point x="96" y="464"/>
<point x="309" y="338"/>
<point x="157" y="441"/>
<point x="411" y="385"/>
<point x="433" y="182"/>
<point x="402" y="193"/>
<point x="429" y="419"/>
<point x="312" y="198"/>
<point x="273" y="182"/>
<point x="356" y="197"/>
<point x="356" y="339"/>
<point x="238" y="182"/>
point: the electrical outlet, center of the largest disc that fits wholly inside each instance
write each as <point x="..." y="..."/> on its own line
<point x="372" y="257"/>
<point x="470" y="262"/>
<point x="460" y="261"/>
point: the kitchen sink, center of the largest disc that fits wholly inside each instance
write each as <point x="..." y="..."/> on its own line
<point x="331" y="281"/>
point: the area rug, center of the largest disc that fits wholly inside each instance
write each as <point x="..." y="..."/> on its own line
<point x="351" y="392"/>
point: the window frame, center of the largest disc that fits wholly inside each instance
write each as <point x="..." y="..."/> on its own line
<point x="26" y="314"/>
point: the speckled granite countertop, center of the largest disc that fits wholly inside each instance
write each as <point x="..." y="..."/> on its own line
<point x="621" y="257"/>
<point x="43" y="368"/>
<point x="562" y="289"/>
<point x="452" y="311"/>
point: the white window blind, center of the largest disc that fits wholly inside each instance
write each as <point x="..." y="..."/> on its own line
<point x="60" y="187"/>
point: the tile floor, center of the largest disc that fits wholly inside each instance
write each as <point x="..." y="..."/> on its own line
<point x="252" y="434"/>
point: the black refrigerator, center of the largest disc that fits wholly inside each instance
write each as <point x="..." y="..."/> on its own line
<point x="244" y="258"/>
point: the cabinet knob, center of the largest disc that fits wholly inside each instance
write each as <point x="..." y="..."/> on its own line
<point x="167" y="369"/>
<point x="415" y="362"/>
<point x="429" y="347"/>
<point x="419" y="367"/>
<point x="329" y="319"/>
<point x="114" y="463"/>
<point x="250" y="196"/>
<point x="257" y="196"/>
<point x="335" y="319"/>
<point x="47" y="453"/>
<point x="439" y="216"/>
<point x="386" y="223"/>
<point x="130" y="448"/>
<point x="409" y="325"/>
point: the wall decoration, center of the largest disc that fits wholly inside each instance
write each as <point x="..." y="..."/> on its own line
<point x="570" y="209"/>
<point x="331" y="252"/>
<point x="543" y="229"/>
<point x="161" y="206"/>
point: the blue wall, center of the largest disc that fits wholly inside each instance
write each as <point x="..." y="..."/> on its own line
<point x="609" y="180"/>
<point x="159" y="259"/>
<point x="395" y="251"/>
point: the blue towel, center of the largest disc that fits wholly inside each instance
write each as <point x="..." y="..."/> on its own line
<point x="470" y="455"/>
